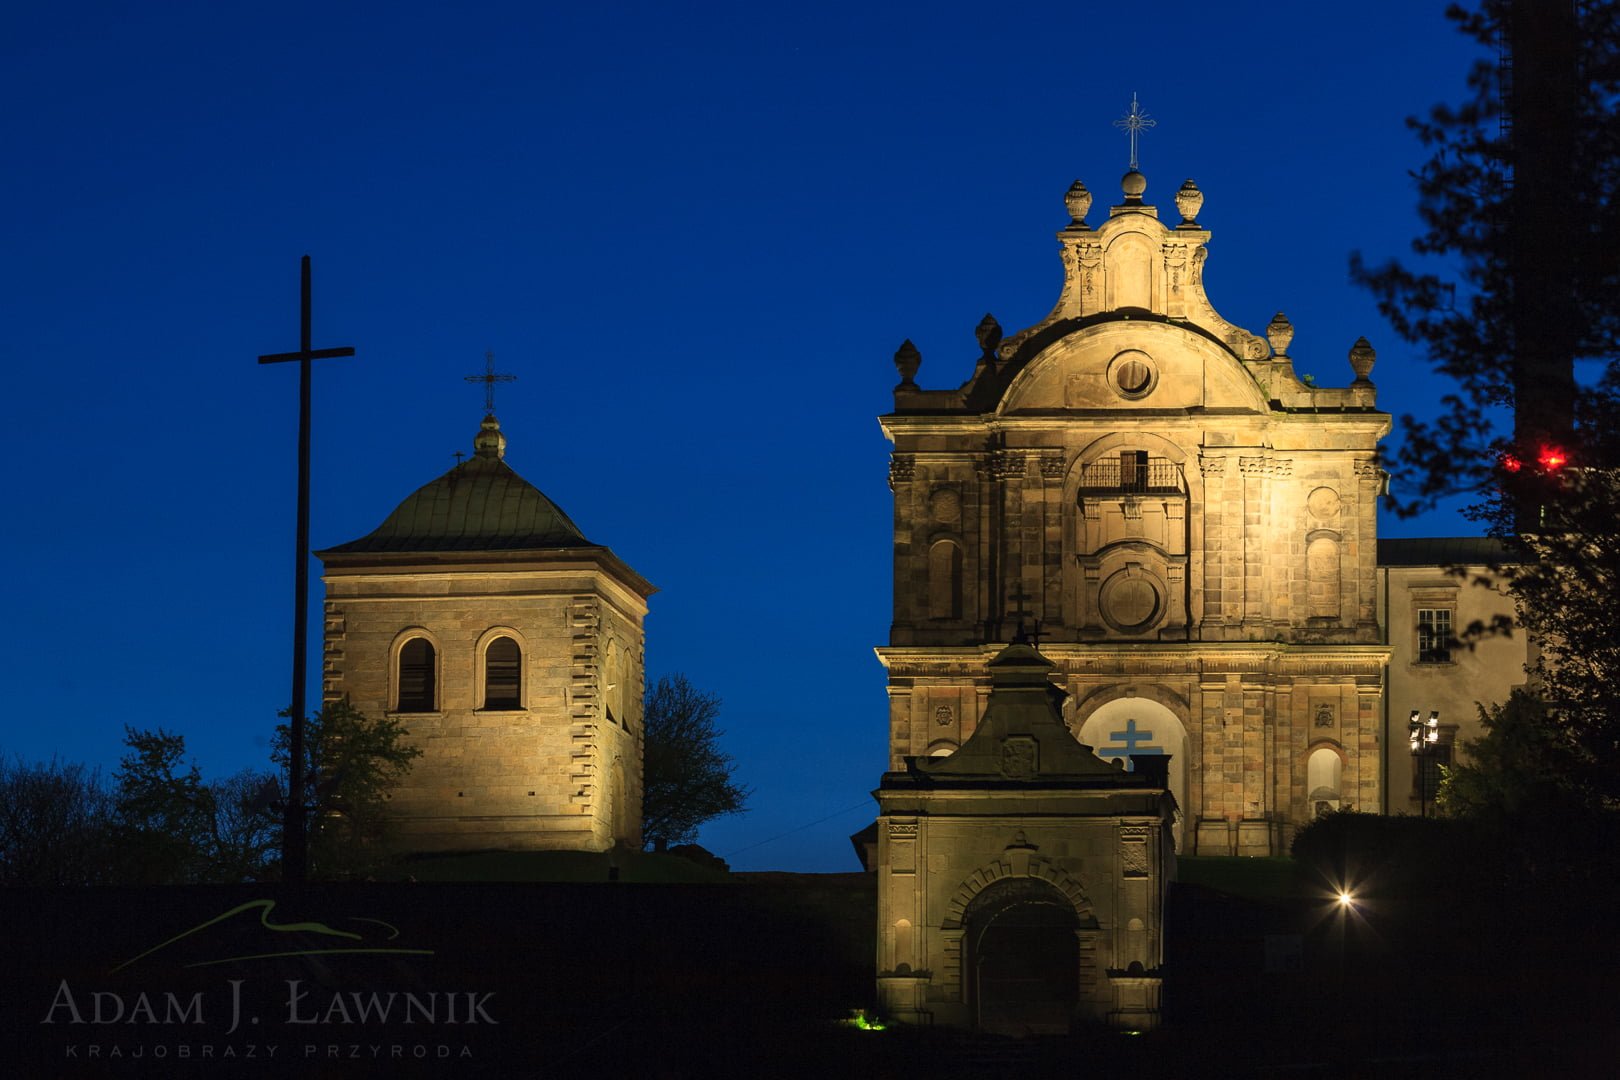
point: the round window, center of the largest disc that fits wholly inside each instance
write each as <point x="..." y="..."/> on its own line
<point x="1132" y="374"/>
<point x="1130" y="602"/>
<point x="1134" y="377"/>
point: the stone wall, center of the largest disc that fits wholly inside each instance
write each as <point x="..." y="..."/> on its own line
<point x="563" y="770"/>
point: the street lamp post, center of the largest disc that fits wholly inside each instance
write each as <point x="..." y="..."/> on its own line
<point x="1422" y="735"/>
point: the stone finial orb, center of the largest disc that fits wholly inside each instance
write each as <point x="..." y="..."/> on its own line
<point x="1189" y="200"/>
<point x="1134" y="184"/>
<point x="989" y="334"/>
<point x="1362" y="356"/>
<point x="906" y="361"/>
<point x="489" y="442"/>
<point x="1078" y="200"/>
<point x="1279" y="332"/>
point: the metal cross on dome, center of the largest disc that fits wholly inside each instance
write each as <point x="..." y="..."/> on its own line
<point x="1135" y="122"/>
<point x="489" y="378"/>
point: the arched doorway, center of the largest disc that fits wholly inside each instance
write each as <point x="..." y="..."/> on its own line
<point x="1322" y="790"/>
<point x="1023" y="958"/>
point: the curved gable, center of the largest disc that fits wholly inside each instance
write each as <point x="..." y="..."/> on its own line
<point x="1132" y="365"/>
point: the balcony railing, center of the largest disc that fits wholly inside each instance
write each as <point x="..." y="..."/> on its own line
<point x="1155" y="476"/>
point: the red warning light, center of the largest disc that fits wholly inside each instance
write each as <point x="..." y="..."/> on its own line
<point x="1511" y="463"/>
<point x="1552" y="458"/>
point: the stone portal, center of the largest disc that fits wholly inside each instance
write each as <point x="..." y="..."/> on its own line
<point x="1021" y="880"/>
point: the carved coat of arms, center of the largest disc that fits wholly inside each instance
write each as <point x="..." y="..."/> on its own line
<point x="1020" y="757"/>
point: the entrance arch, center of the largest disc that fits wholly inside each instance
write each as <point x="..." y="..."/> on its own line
<point x="1023" y="958"/>
<point x="1139" y="725"/>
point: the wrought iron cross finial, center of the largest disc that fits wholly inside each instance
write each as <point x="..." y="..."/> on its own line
<point x="1018" y="595"/>
<point x="489" y="378"/>
<point x="1021" y="636"/>
<point x="1135" y="122"/>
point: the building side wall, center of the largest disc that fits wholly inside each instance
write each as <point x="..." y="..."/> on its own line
<point x="1457" y="686"/>
<point x="561" y="771"/>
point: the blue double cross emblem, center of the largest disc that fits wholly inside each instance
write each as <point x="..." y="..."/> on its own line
<point x="1122" y="744"/>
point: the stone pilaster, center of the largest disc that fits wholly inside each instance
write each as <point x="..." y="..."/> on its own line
<point x="1256" y="501"/>
<point x="1215" y="526"/>
<point x="1050" y="591"/>
<point x="1369" y="485"/>
<point x="1008" y="468"/>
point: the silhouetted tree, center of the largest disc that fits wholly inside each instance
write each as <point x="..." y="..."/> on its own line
<point x="351" y="762"/>
<point x="1521" y="203"/>
<point x="165" y="811"/>
<point x="1512" y="770"/>
<point x="56" y="825"/>
<point x="686" y="777"/>
<point x="245" y="844"/>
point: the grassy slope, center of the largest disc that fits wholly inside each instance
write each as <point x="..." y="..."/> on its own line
<point x="1252" y="878"/>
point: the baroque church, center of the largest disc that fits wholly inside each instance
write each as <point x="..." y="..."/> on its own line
<point x="510" y="647"/>
<point x="1186" y="527"/>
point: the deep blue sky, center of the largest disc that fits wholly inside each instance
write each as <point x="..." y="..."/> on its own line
<point x="697" y="232"/>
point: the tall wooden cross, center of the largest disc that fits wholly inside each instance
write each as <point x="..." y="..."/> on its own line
<point x="294" y="860"/>
<point x="489" y="379"/>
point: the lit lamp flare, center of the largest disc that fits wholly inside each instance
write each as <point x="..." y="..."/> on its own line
<point x="1422" y="736"/>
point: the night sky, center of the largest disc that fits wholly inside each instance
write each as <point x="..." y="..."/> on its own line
<point x="695" y="232"/>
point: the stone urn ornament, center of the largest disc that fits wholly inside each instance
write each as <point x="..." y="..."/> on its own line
<point x="1279" y="332"/>
<point x="1189" y="200"/>
<point x="906" y="361"/>
<point x="1362" y="356"/>
<point x="1078" y="200"/>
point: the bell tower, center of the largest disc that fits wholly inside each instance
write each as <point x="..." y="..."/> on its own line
<point x="511" y="648"/>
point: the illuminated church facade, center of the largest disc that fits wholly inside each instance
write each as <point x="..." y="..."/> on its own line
<point x="1184" y="526"/>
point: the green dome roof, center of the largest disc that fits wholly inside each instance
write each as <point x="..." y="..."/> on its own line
<point x="480" y="505"/>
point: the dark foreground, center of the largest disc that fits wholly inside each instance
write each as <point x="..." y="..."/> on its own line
<point x="750" y="977"/>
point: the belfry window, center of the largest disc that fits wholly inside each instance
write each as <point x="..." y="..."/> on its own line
<point x="503" y="666"/>
<point x="416" y="676"/>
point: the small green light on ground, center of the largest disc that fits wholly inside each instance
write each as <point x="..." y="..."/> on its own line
<point x="859" y="1019"/>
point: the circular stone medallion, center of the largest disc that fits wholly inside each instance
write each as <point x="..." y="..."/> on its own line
<point x="1130" y="602"/>
<point x="1323" y="503"/>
